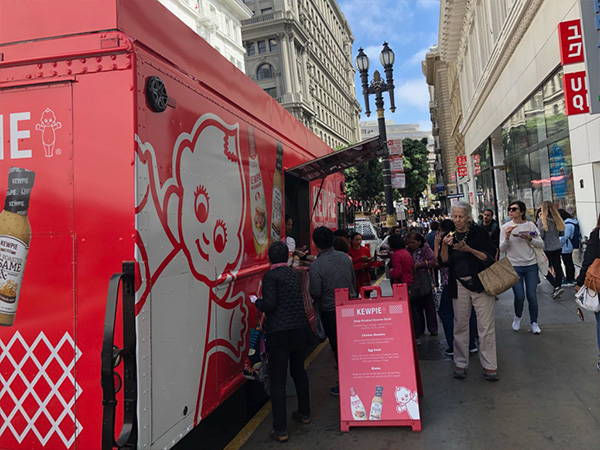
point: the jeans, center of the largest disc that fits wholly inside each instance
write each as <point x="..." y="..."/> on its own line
<point x="528" y="281"/>
<point x="446" y="313"/>
<point x="554" y="261"/>
<point x="567" y="259"/>
<point x="283" y="347"/>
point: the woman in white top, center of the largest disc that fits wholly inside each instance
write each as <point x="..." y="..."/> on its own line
<point x="517" y="239"/>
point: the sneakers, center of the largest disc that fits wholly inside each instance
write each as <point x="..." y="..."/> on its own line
<point x="490" y="375"/>
<point x="557" y="292"/>
<point x="473" y="350"/>
<point x="449" y="351"/>
<point x="335" y="391"/>
<point x="535" y="328"/>
<point x="459" y="373"/>
<point x="301" y="418"/>
<point x="516" y="325"/>
<point x="279" y="436"/>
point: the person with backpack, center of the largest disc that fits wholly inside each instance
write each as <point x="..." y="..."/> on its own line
<point x="592" y="252"/>
<point x="570" y="240"/>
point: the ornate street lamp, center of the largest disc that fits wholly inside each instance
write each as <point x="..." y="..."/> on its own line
<point x="378" y="87"/>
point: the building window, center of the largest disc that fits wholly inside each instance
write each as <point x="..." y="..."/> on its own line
<point x="273" y="45"/>
<point x="262" y="47"/>
<point x="250" y="49"/>
<point x="264" y="72"/>
<point x="272" y="92"/>
<point x="266" y="10"/>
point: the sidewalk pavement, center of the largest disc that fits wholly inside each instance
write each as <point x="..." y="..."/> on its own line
<point x="548" y="396"/>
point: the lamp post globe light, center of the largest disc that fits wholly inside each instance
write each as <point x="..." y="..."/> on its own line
<point x="378" y="87"/>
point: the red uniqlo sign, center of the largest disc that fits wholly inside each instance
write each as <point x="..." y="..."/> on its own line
<point x="571" y="42"/>
<point x="378" y="368"/>
<point x="576" y="100"/>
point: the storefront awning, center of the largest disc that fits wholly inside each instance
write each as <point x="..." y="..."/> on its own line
<point x="339" y="160"/>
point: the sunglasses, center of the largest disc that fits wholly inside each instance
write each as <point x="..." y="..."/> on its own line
<point x="514" y="208"/>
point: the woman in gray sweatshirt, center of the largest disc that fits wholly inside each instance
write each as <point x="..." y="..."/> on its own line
<point x="551" y="226"/>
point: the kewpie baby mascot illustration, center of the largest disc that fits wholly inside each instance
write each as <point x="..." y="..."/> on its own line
<point x="48" y="126"/>
<point x="189" y="249"/>
<point x="407" y="401"/>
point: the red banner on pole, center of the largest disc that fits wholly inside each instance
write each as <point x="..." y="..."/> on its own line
<point x="571" y="42"/>
<point x="576" y="99"/>
<point x="378" y="368"/>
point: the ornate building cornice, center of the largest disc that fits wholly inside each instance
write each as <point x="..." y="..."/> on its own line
<point x="516" y="24"/>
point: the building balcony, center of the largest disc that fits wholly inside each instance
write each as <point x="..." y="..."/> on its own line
<point x="263" y="18"/>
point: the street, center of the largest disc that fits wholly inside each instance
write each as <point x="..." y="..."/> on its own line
<point x="547" y="396"/>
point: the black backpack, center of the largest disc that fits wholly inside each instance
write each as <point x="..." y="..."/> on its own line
<point x="576" y="239"/>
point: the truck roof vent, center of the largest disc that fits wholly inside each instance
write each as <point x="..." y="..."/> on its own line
<point x="156" y="93"/>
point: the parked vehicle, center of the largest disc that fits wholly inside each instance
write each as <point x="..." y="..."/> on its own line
<point x="369" y="234"/>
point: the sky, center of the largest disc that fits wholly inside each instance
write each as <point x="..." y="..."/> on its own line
<point x="410" y="27"/>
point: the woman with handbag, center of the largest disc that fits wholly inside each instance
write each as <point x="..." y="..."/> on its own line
<point x="518" y="237"/>
<point x="467" y="252"/>
<point x="421" y="290"/>
<point x="592" y="253"/>
<point x="551" y="226"/>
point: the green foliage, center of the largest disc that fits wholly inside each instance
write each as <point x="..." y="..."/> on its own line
<point x="415" y="167"/>
<point x="365" y="183"/>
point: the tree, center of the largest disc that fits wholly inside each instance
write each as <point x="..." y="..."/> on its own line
<point x="416" y="168"/>
<point x="364" y="183"/>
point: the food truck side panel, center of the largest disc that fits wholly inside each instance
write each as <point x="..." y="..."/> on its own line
<point x="49" y="359"/>
<point x="204" y="220"/>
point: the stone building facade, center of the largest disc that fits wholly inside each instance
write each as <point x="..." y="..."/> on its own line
<point x="217" y="21"/>
<point x="300" y="53"/>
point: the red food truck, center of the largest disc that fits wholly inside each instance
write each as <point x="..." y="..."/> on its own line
<point x="157" y="160"/>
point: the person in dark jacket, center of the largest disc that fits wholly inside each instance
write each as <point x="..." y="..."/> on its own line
<point x="592" y="252"/>
<point x="287" y="335"/>
<point x="491" y="226"/>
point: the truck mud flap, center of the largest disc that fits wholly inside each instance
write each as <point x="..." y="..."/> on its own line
<point x="113" y="356"/>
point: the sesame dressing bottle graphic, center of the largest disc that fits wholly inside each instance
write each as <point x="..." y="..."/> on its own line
<point x="377" y="404"/>
<point x="15" y="235"/>
<point x="258" y="205"/>
<point x="357" y="407"/>
<point x="277" y="198"/>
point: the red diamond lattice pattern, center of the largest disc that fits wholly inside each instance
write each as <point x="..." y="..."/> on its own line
<point x="21" y="402"/>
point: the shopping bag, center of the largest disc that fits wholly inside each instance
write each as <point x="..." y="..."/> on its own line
<point x="541" y="260"/>
<point x="499" y="277"/>
<point x="587" y="298"/>
<point x="592" y="276"/>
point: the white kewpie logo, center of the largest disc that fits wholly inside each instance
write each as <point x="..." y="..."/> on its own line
<point x="48" y="126"/>
<point x="407" y="400"/>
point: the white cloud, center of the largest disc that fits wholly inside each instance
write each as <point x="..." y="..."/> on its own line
<point x="412" y="93"/>
<point x="428" y="3"/>
<point x="418" y="57"/>
<point x="424" y="125"/>
<point x="379" y="19"/>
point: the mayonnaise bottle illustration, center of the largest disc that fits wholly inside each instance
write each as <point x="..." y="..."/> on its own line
<point x="277" y="198"/>
<point x="15" y="235"/>
<point x="377" y="404"/>
<point x="258" y="205"/>
<point x="357" y="407"/>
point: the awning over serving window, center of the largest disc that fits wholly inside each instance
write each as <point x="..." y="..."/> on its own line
<point x="339" y="160"/>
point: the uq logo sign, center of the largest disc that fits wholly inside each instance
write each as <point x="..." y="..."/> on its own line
<point x="16" y="137"/>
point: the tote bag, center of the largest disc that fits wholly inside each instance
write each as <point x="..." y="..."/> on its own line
<point x="587" y="298"/>
<point x="499" y="277"/>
